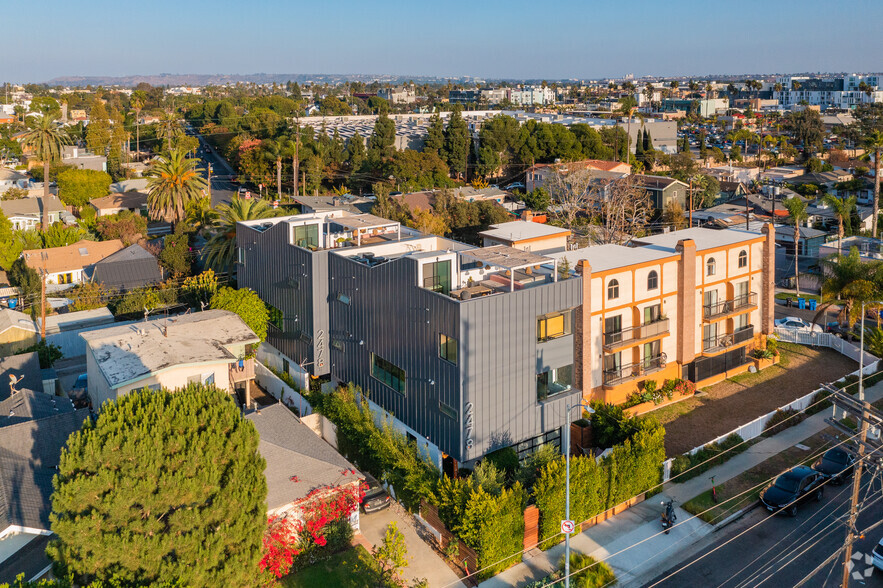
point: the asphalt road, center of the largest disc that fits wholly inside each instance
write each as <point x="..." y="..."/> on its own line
<point x="778" y="551"/>
<point x="223" y="187"/>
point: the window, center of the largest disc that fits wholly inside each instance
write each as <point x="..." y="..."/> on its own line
<point x="388" y="373"/>
<point x="240" y="256"/>
<point x="554" y="382"/>
<point x="652" y="313"/>
<point x="447" y="348"/>
<point x="613" y="329"/>
<point x="208" y="379"/>
<point x="437" y="276"/>
<point x="710" y="267"/>
<point x="307" y="236"/>
<point x="740" y="321"/>
<point x="743" y="258"/>
<point x="652" y="280"/>
<point x="341" y="297"/>
<point x="65" y="278"/>
<point x="554" y="325"/>
<point x="612" y="290"/>
<point x="447" y="410"/>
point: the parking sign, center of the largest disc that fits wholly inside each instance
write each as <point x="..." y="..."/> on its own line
<point x="567" y="526"/>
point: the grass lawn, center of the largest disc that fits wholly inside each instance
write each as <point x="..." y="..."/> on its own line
<point x="792" y="296"/>
<point x="730" y="497"/>
<point x="355" y="568"/>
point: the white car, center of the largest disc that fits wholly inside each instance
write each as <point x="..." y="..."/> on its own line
<point x="878" y="555"/>
<point x="793" y="322"/>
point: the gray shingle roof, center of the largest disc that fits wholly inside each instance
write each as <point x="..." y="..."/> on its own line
<point x="25" y="364"/>
<point x="27" y="405"/>
<point x="292" y="449"/>
<point x="132" y="267"/>
<point x="29" y="455"/>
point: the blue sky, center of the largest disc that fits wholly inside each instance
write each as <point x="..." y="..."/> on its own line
<point x="485" y="38"/>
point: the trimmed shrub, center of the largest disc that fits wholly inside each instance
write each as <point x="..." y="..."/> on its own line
<point x="819" y="402"/>
<point x="505" y="460"/>
<point x="598" y="574"/>
<point x="686" y="466"/>
<point x="493" y="526"/>
<point x="781" y="420"/>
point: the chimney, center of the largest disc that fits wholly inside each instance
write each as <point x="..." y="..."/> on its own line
<point x="527" y="215"/>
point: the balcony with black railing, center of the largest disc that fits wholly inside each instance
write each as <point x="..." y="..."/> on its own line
<point x="649" y="365"/>
<point x="636" y="334"/>
<point x="728" y="307"/>
<point x="726" y="340"/>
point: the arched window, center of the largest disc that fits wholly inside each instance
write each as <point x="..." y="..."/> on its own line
<point x="652" y="280"/>
<point x="710" y="266"/>
<point x="612" y="290"/>
<point x="743" y="258"/>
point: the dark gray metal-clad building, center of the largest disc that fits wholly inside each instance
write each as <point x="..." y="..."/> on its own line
<point x="471" y="349"/>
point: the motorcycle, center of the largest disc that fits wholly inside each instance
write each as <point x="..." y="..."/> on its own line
<point x="668" y="516"/>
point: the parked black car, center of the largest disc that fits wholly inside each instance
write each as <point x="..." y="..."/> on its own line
<point x="836" y="464"/>
<point x="376" y="498"/>
<point x="792" y="487"/>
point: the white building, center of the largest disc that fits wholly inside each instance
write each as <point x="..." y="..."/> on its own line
<point x="402" y="95"/>
<point x="531" y="95"/>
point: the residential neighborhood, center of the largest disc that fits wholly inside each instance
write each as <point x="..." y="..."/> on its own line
<point x="591" y="298"/>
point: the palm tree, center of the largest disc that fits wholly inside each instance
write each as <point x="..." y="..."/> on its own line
<point x="46" y="139"/>
<point x="291" y="148"/>
<point x="626" y="106"/>
<point x="200" y="214"/>
<point x="850" y="282"/>
<point x="797" y="210"/>
<point x="220" y="251"/>
<point x="275" y="151"/>
<point x="174" y="183"/>
<point x="875" y="141"/>
<point x="138" y="100"/>
<point x="842" y="208"/>
<point x="169" y="128"/>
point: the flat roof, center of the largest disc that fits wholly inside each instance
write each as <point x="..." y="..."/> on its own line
<point x="132" y="352"/>
<point x="520" y="230"/>
<point x="704" y="238"/>
<point x="611" y="256"/>
<point x="505" y="257"/>
<point x="362" y="221"/>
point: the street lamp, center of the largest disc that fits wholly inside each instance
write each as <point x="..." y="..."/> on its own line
<point x="567" y="522"/>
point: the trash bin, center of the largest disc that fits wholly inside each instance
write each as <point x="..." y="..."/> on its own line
<point x="801" y="303"/>
<point x="789" y="302"/>
<point x="812" y="303"/>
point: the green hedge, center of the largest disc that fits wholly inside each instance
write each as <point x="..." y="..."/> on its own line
<point x="381" y="450"/>
<point x="709" y="456"/>
<point x="781" y="420"/>
<point x="631" y="468"/>
<point x="493" y="526"/>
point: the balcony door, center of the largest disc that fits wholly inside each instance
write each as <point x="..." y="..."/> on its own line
<point x="613" y="329"/>
<point x="652" y="314"/>
<point x="741" y="293"/>
<point x="652" y="350"/>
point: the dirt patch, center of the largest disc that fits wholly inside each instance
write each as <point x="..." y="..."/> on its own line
<point x="725" y="406"/>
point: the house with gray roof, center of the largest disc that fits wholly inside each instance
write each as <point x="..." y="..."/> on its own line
<point x="25" y="368"/>
<point x="299" y="463"/>
<point x="29" y="455"/>
<point x="27" y="213"/>
<point x="28" y="405"/>
<point x="127" y="269"/>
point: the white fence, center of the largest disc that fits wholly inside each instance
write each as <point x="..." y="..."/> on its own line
<point x="805" y="337"/>
<point x="756" y="427"/>
<point x="280" y="390"/>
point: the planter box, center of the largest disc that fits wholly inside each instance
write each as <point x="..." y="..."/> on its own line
<point x="764" y="363"/>
<point x="645" y="407"/>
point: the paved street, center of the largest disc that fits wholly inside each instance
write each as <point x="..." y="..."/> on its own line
<point x="223" y="187"/>
<point x="765" y="550"/>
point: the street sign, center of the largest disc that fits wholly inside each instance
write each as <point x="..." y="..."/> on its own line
<point x="567" y="526"/>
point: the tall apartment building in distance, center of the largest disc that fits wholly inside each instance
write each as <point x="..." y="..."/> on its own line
<point x="470" y="349"/>
<point x="841" y="93"/>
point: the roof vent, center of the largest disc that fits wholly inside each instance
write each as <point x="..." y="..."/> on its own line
<point x="84" y="251"/>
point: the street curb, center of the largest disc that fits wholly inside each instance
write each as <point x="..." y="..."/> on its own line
<point x="735" y="516"/>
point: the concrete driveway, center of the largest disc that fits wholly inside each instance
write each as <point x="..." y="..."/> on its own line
<point x="423" y="561"/>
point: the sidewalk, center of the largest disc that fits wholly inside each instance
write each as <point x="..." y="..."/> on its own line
<point x="639" y="525"/>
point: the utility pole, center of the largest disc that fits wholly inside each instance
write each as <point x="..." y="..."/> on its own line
<point x="691" y="203"/>
<point x="853" y="506"/>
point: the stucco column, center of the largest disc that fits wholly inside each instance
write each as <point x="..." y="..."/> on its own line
<point x="582" y="343"/>
<point x="687" y="307"/>
<point x="767" y="292"/>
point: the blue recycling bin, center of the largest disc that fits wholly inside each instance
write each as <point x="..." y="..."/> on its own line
<point x="801" y="303"/>
<point x="13" y="303"/>
<point x="812" y="303"/>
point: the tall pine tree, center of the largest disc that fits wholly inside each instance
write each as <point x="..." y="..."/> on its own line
<point x="382" y="141"/>
<point x="163" y="487"/>
<point x="648" y="142"/>
<point x="639" y="146"/>
<point x="435" y="137"/>
<point x="98" y="130"/>
<point x="457" y="143"/>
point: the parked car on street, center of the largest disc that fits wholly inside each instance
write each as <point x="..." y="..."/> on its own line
<point x="515" y="186"/>
<point x="792" y="487"/>
<point x="793" y="322"/>
<point x="376" y="498"/>
<point x="836" y="464"/>
<point x="878" y="555"/>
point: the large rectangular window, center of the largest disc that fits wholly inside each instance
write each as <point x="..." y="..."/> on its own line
<point x="554" y="382"/>
<point x="437" y="276"/>
<point x="447" y="348"/>
<point x="554" y="325"/>
<point x="307" y="236"/>
<point x="388" y="373"/>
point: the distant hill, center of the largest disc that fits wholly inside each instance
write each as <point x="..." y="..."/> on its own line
<point x="166" y="79"/>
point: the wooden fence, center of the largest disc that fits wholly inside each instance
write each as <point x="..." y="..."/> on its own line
<point x="467" y="559"/>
